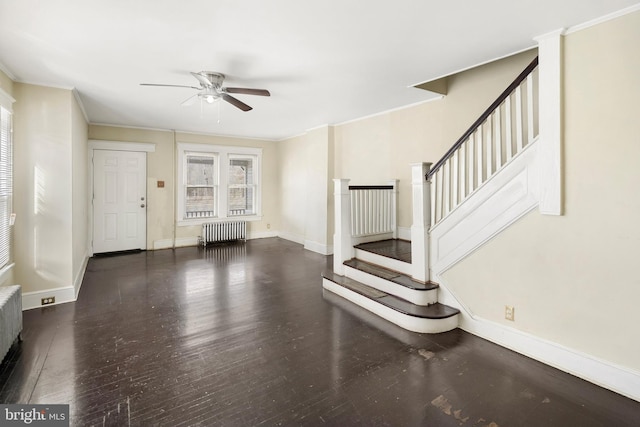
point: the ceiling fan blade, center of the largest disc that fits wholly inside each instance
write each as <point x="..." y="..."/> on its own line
<point x="248" y="91"/>
<point x="190" y="100"/>
<point x="163" y="85"/>
<point x="204" y="81"/>
<point x="236" y="102"/>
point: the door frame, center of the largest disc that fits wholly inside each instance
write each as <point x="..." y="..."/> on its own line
<point x="98" y="144"/>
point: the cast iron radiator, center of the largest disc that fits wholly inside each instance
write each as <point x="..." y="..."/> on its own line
<point x="214" y="232"/>
<point x="10" y="317"/>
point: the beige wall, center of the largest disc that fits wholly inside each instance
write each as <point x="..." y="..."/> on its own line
<point x="161" y="167"/>
<point x="573" y="279"/>
<point x="80" y="191"/>
<point x="6" y="84"/>
<point x="42" y="187"/>
<point x="306" y="167"/>
<point x="379" y="148"/>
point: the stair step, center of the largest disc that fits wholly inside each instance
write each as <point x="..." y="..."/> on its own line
<point x="390" y="248"/>
<point x="433" y="318"/>
<point x="391" y="275"/>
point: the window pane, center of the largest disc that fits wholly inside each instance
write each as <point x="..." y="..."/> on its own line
<point x="200" y="170"/>
<point x="241" y="201"/>
<point x="200" y="202"/>
<point x="240" y="171"/>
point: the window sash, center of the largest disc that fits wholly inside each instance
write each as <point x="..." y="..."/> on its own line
<point x="6" y="185"/>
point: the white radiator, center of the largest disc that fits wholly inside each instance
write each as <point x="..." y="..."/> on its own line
<point x="213" y="232"/>
<point x="10" y="317"/>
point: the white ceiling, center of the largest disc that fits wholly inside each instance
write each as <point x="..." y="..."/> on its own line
<point x="325" y="62"/>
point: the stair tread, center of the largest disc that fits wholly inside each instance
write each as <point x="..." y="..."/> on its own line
<point x="433" y="311"/>
<point x="390" y="248"/>
<point x="387" y="274"/>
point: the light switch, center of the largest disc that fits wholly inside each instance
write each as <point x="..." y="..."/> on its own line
<point x="160" y="184"/>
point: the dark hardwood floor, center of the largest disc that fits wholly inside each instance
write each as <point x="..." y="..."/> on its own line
<point x="242" y="335"/>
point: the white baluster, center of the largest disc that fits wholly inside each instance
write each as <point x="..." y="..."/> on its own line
<point x="497" y="123"/>
<point x="454" y="179"/>
<point x="508" y="131"/>
<point x="463" y="171"/>
<point x="489" y="147"/>
<point x="472" y="163"/>
<point x="480" y="150"/>
<point x="530" y="107"/>
<point x="519" y="119"/>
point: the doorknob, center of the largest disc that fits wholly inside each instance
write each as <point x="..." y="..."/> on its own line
<point x="142" y="205"/>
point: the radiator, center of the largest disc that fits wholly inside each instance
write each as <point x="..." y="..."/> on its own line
<point x="214" y="232"/>
<point x="10" y="317"/>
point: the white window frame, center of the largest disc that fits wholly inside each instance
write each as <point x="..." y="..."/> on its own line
<point x="223" y="154"/>
<point x="6" y="103"/>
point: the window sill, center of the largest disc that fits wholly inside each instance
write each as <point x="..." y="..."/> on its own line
<point x="200" y="221"/>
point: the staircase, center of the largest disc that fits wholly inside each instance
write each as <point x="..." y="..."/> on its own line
<point x="391" y="293"/>
<point x="484" y="183"/>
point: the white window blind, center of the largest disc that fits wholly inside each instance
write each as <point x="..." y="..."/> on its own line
<point x="6" y="185"/>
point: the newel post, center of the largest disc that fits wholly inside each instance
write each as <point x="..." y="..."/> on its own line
<point x="421" y="190"/>
<point x="394" y="207"/>
<point x="342" y="242"/>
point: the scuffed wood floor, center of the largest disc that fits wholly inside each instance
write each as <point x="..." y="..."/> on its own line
<point x="242" y="335"/>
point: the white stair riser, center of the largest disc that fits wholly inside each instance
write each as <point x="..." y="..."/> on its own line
<point x="411" y="323"/>
<point x="412" y="295"/>
<point x="383" y="261"/>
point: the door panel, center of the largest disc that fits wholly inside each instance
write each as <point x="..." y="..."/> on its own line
<point x="119" y="200"/>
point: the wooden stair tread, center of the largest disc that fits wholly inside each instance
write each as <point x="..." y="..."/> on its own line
<point x="390" y="248"/>
<point x="433" y="311"/>
<point x="392" y="276"/>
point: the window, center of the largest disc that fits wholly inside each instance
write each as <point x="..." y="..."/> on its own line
<point x="241" y="186"/>
<point x="217" y="182"/>
<point x="6" y="181"/>
<point x="200" y="197"/>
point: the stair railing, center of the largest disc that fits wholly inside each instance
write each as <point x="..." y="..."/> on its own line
<point x="362" y="213"/>
<point x="502" y="131"/>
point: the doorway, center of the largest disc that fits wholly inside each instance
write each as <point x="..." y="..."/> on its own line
<point x="119" y="200"/>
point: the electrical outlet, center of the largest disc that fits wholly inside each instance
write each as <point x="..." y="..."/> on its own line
<point x="48" y="300"/>
<point x="509" y="312"/>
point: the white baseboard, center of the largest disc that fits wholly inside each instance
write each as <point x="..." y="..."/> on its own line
<point x="32" y="300"/>
<point x="77" y="282"/>
<point x="261" y="235"/>
<point x="186" y="241"/>
<point x="291" y="237"/>
<point x="605" y="374"/>
<point x="318" y="247"/>
<point x="404" y="233"/>
<point x="162" y="244"/>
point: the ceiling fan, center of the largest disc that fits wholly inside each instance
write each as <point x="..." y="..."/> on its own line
<point x="211" y="89"/>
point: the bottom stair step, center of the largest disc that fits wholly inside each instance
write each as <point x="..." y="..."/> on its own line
<point x="434" y="318"/>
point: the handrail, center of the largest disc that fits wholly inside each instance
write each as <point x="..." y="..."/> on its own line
<point x="504" y="95"/>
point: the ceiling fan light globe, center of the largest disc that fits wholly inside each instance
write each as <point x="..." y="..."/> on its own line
<point x="209" y="99"/>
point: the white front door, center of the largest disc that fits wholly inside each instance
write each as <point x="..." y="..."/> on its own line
<point x="119" y="200"/>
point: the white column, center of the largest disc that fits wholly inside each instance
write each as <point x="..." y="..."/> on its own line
<point x="342" y="245"/>
<point x="394" y="207"/>
<point x="550" y="121"/>
<point x="421" y="189"/>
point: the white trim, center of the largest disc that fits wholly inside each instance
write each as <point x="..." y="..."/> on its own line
<point x="411" y="323"/>
<point x="498" y="203"/>
<point x="77" y="282"/>
<point x="291" y="237"/>
<point x="550" y="75"/>
<point x="614" y="377"/>
<point x="383" y="261"/>
<point x="404" y="233"/>
<point x="261" y="235"/>
<point x="194" y="222"/>
<point x="217" y="135"/>
<point x="186" y="241"/>
<point x="391" y="110"/>
<point x="99" y="144"/>
<point x="31" y="300"/>
<point x="471" y="67"/>
<point x="5" y="271"/>
<point x="76" y="95"/>
<point x="6" y="100"/>
<point x="417" y="297"/>
<point x="162" y="244"/>
<point x="320" y="248"/>
<point x="5" y="70"/>
<point x="604" y="18"/>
